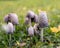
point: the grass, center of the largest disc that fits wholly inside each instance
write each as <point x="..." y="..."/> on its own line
<point x="20" y="7"/>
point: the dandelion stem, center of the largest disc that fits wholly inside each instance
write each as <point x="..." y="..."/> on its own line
<point x="41" y="34"/>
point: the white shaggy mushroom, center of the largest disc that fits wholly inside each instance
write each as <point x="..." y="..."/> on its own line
<point x="11" y="17"/>
<point x="43" y="22"/>
<point x="9" y="28"/>
<point x="30" y="31"/>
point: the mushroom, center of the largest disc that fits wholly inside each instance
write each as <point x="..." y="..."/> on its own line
<point x="9" y="28"/>
<point x="11" y="17"/>
<point x="31" y="17"/>
<point x="31" y="31"/>
<point x="43" y="22"/>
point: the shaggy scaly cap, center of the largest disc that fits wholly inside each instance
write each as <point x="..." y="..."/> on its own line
<point x="31" y="17"/>
<point x="43" y="20"/>
<point x="27" y="20"/>
<point x="30" y="31"/>
<point x="36" y="18"/>
<point x="7" y="19"/>
<point x="30" y="14"/>
<point x="11" y="17"/>
<point x="9" y="28"/>
<point x="14" y="18"/>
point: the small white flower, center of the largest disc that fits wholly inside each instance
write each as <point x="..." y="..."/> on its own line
<point x="30" y="31"/>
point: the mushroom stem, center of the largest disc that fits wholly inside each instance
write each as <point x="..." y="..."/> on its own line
<point x="41" y="34"/>
<point x="10" y="41"/>
<point x="30" y="23"/>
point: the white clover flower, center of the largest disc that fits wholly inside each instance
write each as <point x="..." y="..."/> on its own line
<point x="30" y="31"/>
<point x="9" y="28"/>
<point x="43" y="20"/>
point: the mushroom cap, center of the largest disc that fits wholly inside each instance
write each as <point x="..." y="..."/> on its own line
<point x="11" y="17"/>
<point x="27" y="20"/>
<point x="30" y="31"/>
<point x="7" y="19"/>
<point x="36" y="19"/>
<point x="14" y="18"/>
<point x="43" y="20"/>
<point x="30" y="14"/>
<point x="8" y="28"/>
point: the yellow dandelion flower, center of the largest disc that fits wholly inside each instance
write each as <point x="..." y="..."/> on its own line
<point x="39" y="10"/>
<point x="54" y="29"/>
<point x="24" y="8"/>
<point x="17" y="43"/>
<point x="59" y="27"/>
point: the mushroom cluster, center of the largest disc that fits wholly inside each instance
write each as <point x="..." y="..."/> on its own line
<point x="11" y="19"/>
<point x="41" y="21"/>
